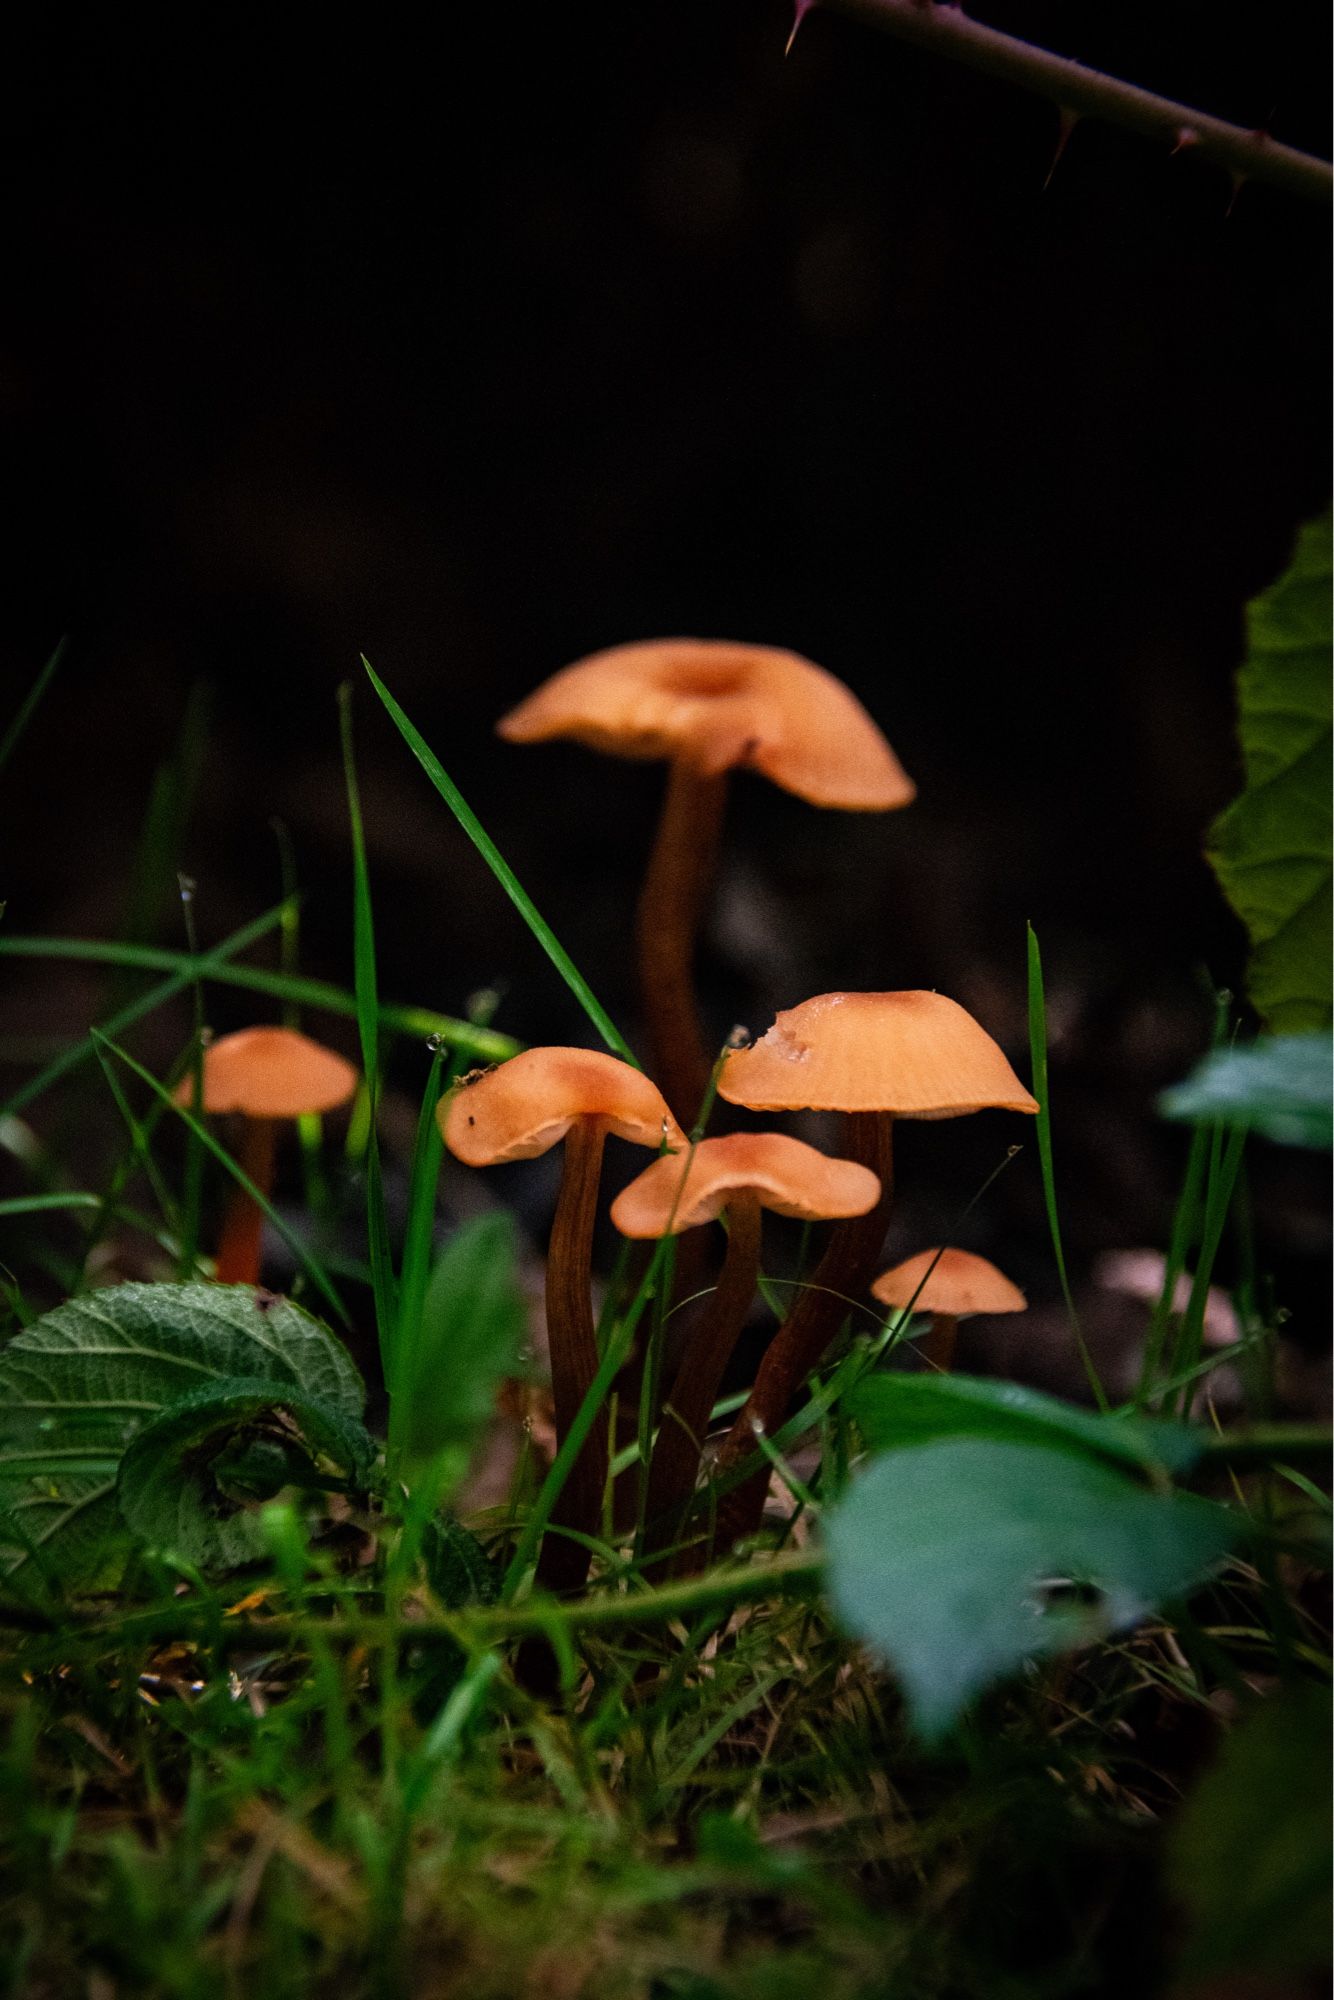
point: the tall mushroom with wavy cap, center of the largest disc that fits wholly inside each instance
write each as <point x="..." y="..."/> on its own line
<point x="875" y="1057"/>
<point x="708" y="706"/>
<point x="950" y="1285"/>
<point x="263" y="1074"/>
<point x="742" y="1174"/>
<point x="530" y="1104"/>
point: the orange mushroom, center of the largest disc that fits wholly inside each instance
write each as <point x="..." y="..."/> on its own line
<point x="263" y="1074"/>
<point x="742" y="1173"/>
<point x="708" y="706"/>
<point x="873" y="1056"/>
<point x="950" y="1285"/>
<point x="515" y="1112"/>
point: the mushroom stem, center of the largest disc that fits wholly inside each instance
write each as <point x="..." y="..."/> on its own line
<point x="680" y="873"/>
<point x="237" y="1261"/>
<point x="685" y="1417"/>
<point x="563" y="1563"/>
<point x="844" y="1271"/>
<point x="937" y="1350"/>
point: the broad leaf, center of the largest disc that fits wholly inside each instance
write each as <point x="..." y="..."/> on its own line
<point x="959" y="1561"/>
<point x="467" y="1339"/>
<point x="1271" y="848"/>
<point x="80" y="1383"/>
<point x="192" y="1481"/>
<point x="1249" y="1855"/>
<point x="892" y="1410"/>
<point x="1282" y="1087"/>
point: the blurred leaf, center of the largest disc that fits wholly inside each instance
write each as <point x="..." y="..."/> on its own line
<point x="457" y="1566"/>
<point x="467" y="1338"/>
<point x="1249" y="1855"/>
<point x="1281" y="1086"/>
<point x="959" y="1561"/>
<point x="895" y="1409"/>
<point x="1271" y="847"/>
<point x="81" y="1382"/>
<point x="192" y="1481"/>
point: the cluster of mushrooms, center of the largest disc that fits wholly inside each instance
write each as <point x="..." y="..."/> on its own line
<point x="707" y="707"/>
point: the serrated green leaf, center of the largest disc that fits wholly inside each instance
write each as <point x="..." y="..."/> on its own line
<point x="1271" y="847"/>
<point x="1249" y="1854"/>
<point x="893" y="1410"/>
<point x="1281" y="1087"/>
<point x="192" y="1480"/>
<point x="959" y="1561"/>
<point x="466" y="1340"/>
<point x="78" y="1384"/>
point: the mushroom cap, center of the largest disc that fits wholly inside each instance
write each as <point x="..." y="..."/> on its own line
<point x="960" y="1284"/>
<point x="918" y="1055"/>
<point x="529" y="1104"/>
<point x="271" y="1073"/>
<point x="716" y="704"/>
<point x="784" y="1174"/>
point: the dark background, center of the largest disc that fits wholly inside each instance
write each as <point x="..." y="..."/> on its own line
<point x="479" y="343"/>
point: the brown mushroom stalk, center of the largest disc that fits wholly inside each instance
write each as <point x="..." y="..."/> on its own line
<point x="572" y="1335"/>
<point x="937" y="1350"/>
<point x="742" y="1174"/>
<point x="238" y="1258"/>
<point x="671" y="906"/>
<point x="842" y="1274"/>
<point x="690" y="1401"/>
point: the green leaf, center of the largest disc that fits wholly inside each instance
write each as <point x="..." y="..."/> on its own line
<point x="959" y="1561"/>
<point x="1281" y="1086"/>
<point x="1249" y="1854"/>
<point x="192" y="1481"/>
<point x="1271" y="847"/>
<point x="458" y="1569"/>
<point x="80" y="1383"/>
<point x="464" y="1341"/>
<point x="893" y="1410"/>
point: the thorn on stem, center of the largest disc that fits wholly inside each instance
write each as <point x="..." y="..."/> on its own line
<point x="1187" y="140"/>
<point x="1069" y="120"/>
<point x="799" y="13"/>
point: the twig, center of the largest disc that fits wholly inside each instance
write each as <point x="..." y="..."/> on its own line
<point x="947" y="30"/>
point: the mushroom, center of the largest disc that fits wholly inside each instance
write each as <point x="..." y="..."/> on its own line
<point x="875" y="1057"/>
<point x="950" y="1285"/>
<point x="708" y="706"/>
<point x="516" y="1112"/>
<point x="263" y="1074"/>
<point x="742" y="1173"/>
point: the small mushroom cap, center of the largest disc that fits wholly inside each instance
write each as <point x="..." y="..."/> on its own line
<point x="959" y="1285"/>
<point x="529" y="1104"/>
<point x="918" y="1055"/>
<point x="784" y="1174"/>
<point x="716" y="704"/>
<point x="271" y="1073"/>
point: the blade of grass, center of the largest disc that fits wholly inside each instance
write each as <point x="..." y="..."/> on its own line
<point x="28" y="706"/>
<point x="1037" y="1040"/>
<point x="309" y="1263"/>
<point x="38" y="1204"/>
<point x="1224" y="1166"/>
<point x="503" y="873"/>
<point x="1205" y="1139"/>
<point x="193" y="1190"/>
<point x="183" y="970"/>
<point x="482" y="1044"/>
<point x="384" y="1286"/>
